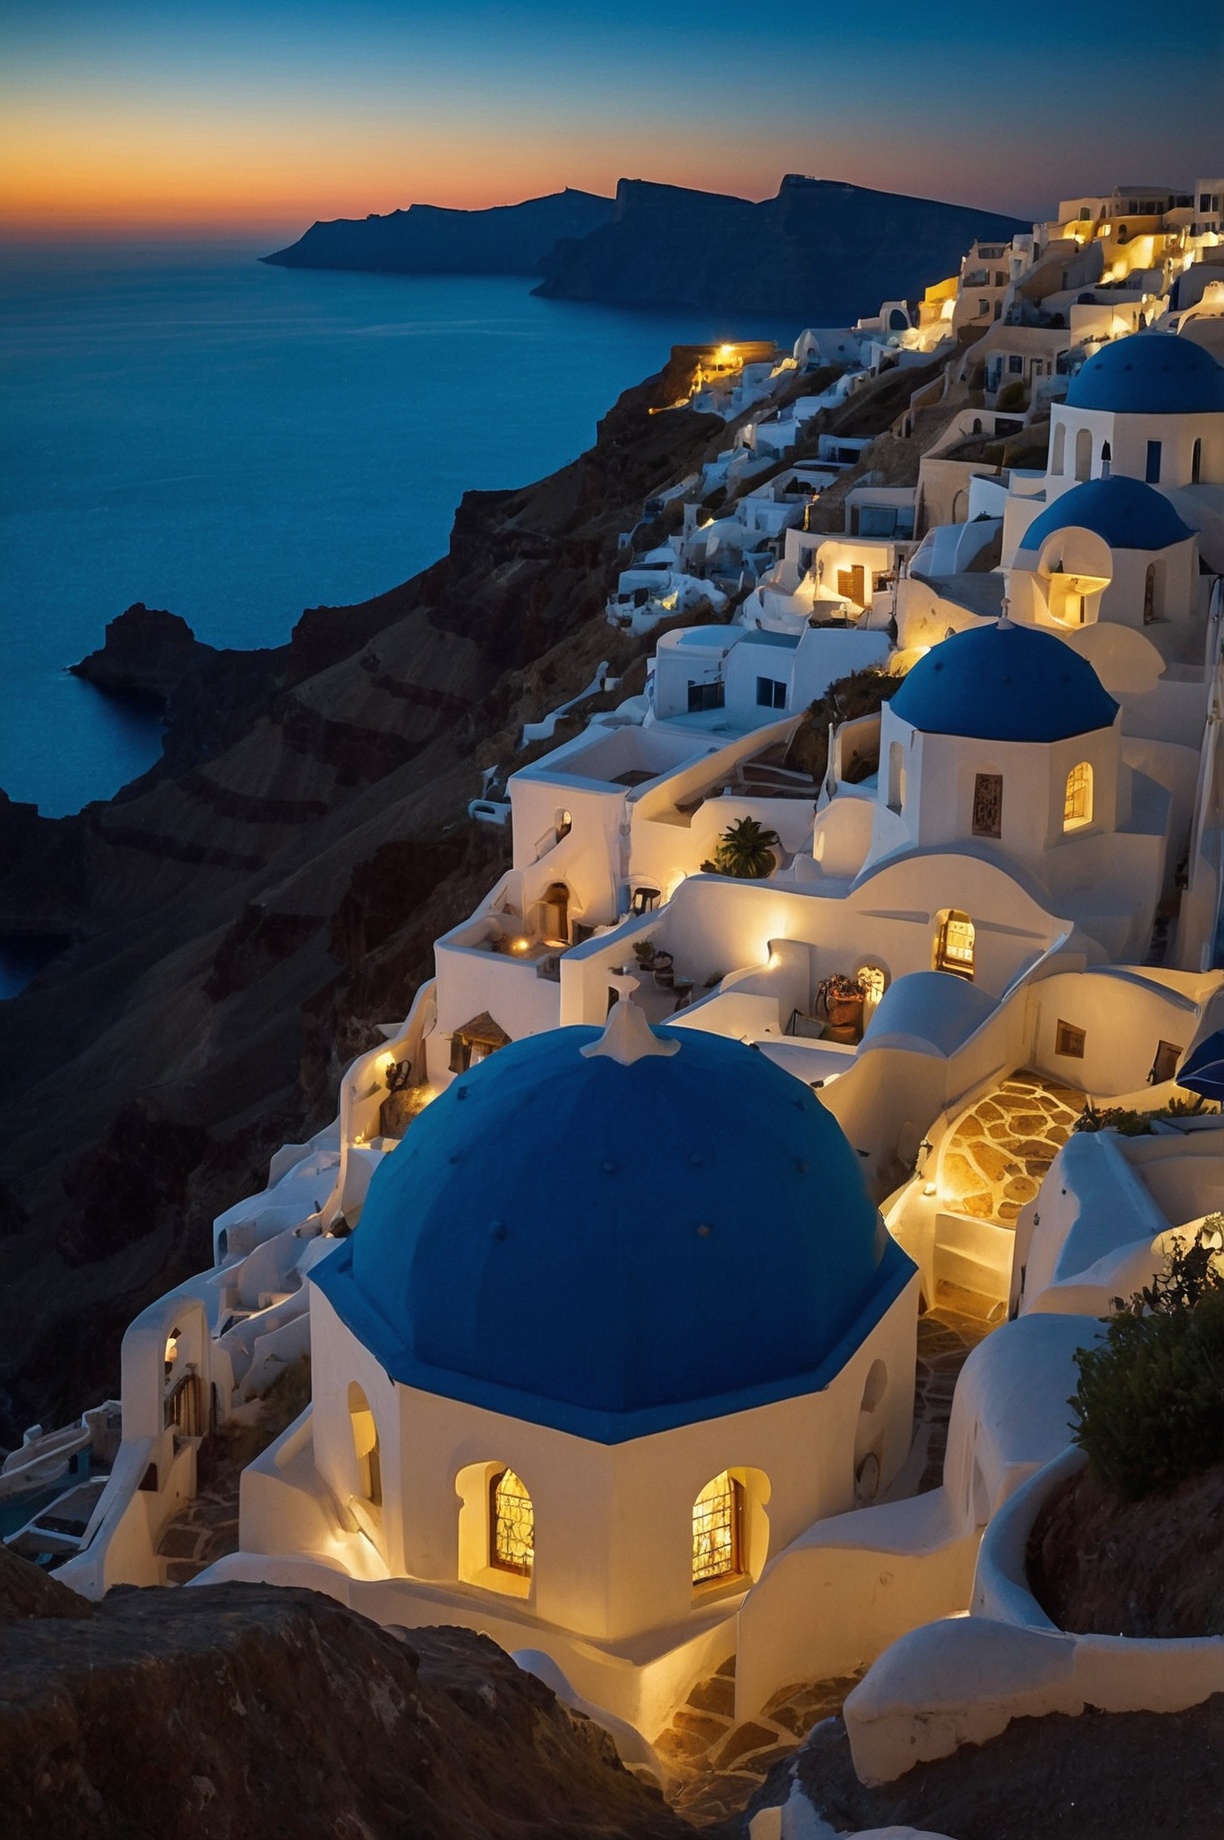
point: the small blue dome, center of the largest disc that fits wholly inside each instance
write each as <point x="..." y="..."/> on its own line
<point x="1150" y="373"/>
<point x="1125" y="512"/>
<point x="1004" y="682"/>
<point x="617" y="1249"/>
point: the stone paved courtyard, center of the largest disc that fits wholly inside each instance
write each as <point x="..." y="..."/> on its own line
<point x="999" y="1151"/>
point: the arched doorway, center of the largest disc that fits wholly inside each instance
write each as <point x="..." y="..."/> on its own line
<point x="556" y="905"/>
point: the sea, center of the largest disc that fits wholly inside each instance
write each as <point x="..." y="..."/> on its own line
<point x="186" y="426"/>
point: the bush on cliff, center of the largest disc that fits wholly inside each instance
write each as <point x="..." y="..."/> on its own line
<point x="1150" y="1399"/>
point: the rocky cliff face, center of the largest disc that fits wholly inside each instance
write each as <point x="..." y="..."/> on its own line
<point x="427" y="240"/>
<point x="821" y="252"/>
<point x="227" y="1711"/>
<point x="243" y="915"/>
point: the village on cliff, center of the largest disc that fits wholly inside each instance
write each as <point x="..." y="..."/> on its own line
<point x="692" y="1283"/>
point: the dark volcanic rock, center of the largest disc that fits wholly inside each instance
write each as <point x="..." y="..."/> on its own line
<point x="239" y="926"/>
<point x="821" y="251"/>
<point x="512" y="239"/>
<point x="1101" y="1776"/>
<point x="27" y="1591"/>
<point x="234" y="1710"/>
<point x="1148" y="1568"/>
<point x="147" y="653"/>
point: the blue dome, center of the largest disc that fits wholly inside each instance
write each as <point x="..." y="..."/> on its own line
<point x="1125" y="512"/>
<point x="1150" y="373"/>
<point x="1004" y="683"/>
<point x="617" y="1249"/>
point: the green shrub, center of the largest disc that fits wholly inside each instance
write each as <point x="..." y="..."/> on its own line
<point x="1150" y="1398"/>
<point x="1114" y="1118"/>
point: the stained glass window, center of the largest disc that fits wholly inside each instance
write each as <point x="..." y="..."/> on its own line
<point x="988" y="805"/>
<point x="511" y="1525"/>
<point x="717" y="1512"/>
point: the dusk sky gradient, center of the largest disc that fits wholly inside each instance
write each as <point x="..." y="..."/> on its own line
<point x="151" y="117"/>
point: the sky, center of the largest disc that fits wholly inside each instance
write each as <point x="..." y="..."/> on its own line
<point x="160" y="118"/>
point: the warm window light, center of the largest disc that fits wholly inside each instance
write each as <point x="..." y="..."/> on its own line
<point x="1077" y="802"/>
<point x="171" y="1350"/>
<point x="873" y="980"/>
<point x="365" y="1446"/>
<point x="511" y="1525"/>
<point x="954" y="950"/>
<point x="717" y="1514"/>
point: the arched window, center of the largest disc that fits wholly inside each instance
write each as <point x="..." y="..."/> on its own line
<point x="869" y="1436"/>
<point x="1083" y="454"/>
<point x="1150" y="613"/>
<point x="563" y="825"/>
<point x="955" y="942"/>
<point x="1196" y="462"/>
<point x="511" y="1525"/>
<point x="365" y="1446"/>
<point x="1106" y="459"/>
<point x="718" y="1530"/>
<point x="896" y="776"/>
<point x="1060" y="448"/>
<point x="1077" y="803"/>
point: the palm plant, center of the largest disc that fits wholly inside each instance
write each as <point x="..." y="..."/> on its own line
<point x="746" y="849"/>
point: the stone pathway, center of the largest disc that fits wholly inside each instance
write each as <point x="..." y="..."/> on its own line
<point x="1001" y="1148"/>
<point x="206" y="1529"/>
<point x="946" y="1336"/>
<point x="717" y="1765"/>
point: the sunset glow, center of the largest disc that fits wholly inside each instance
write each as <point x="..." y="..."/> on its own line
<point x="163" y="118"/>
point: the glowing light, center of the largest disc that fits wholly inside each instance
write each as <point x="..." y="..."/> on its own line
<point x="512" y="1525"/>
<point x="520" y="945"/>
<point x="717" y="1513"/>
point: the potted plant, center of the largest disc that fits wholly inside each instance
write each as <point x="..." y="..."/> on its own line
<point x="841" y="999"/>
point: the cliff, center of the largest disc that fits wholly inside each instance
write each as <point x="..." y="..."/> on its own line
<point x="426" y="239"/>
<point x="245" y="915"/>
<point x="820" y="252"/>
<point x="232" y="1710"/>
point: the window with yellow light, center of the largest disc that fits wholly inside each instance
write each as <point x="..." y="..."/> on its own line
<point x="511" y="1525"/>
<point x="718" y="1514"/>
